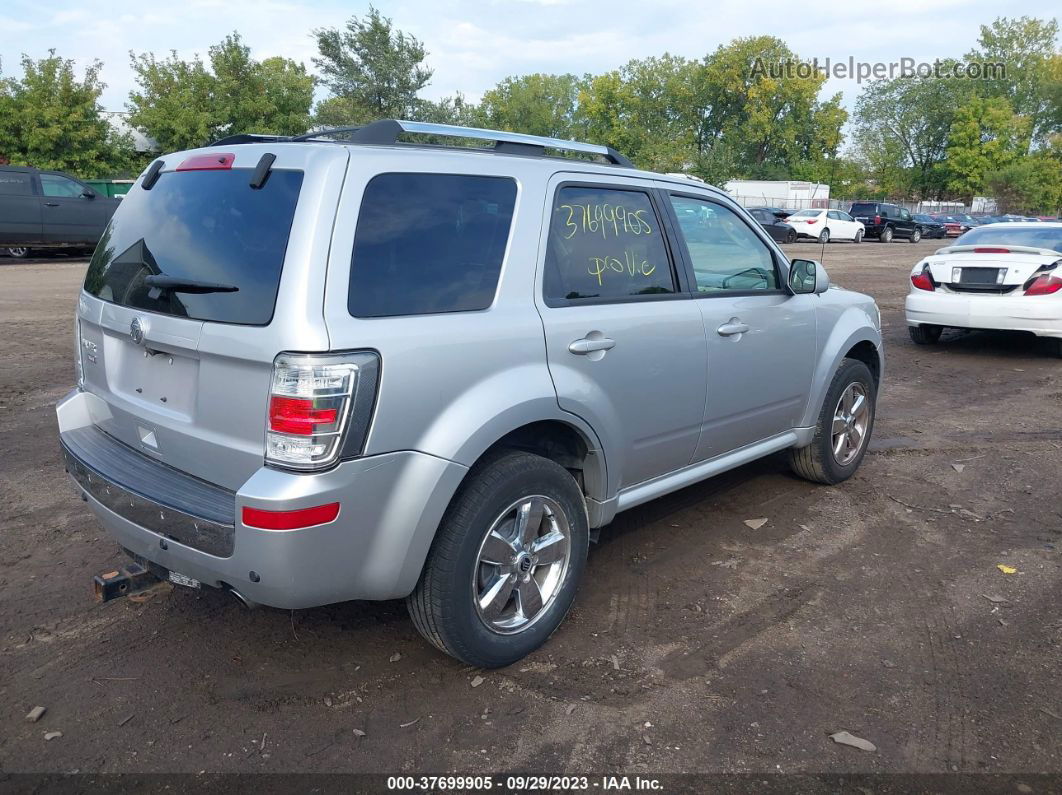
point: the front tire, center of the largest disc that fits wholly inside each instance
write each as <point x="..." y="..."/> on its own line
<point x="858" y="237"/>
<point x="886" y="235"/>
<point x="18" y="252"/>
<point x="791" y="236"/>
<point x="845" y="424"/>
<point x="506" y="561"/>
<point x="925" y="334"/>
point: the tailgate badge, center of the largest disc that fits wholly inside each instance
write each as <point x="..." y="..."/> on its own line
<point x="136" y="330"/>
<point x="147" y="438"/>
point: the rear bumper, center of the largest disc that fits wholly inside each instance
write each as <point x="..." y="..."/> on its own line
<point x="1040" y="315"/>
<point x="391" y="505"/>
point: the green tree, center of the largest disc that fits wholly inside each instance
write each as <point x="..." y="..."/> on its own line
<point x="1031" y="184"/>
<point x="50" y="119"/>
<point x="184" y="104"/>
<point x="1025" y="46"/>
<point x="537" y="104"/>
<point x="373" y="71"/>
<point x="901" y="131"/>
<point x="986" y="136"/>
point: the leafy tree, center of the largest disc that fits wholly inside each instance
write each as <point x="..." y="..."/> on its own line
<point x="373" y="70"/>
<point x="1025" y="46"/>
<point x="901" y="131"/>
<point x="1031" y="184"/>
<point x="986" y="136"/>
<point x="51" y="120"/>
<point x="184" y="104"/>
<point x="537" y="104"/>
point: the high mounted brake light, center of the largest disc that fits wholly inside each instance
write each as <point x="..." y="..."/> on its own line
<point x="319" y="408"/>
<point x="211" y="162"/>
<point x="991" y="251"/>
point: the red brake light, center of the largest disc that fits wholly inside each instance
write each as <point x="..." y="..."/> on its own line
<point x="813" y="220"/>
<point x="1046" y="284"/>
<point x="991" y="251"/>
<point x="877" y="220"/>
<point x="298" y="415"/>
<point x="211" y="162"/>
<point x="923" y="281"/>
<point x="290" y="520"/>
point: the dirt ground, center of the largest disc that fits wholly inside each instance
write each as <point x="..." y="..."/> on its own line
<point x="696" y="643"/>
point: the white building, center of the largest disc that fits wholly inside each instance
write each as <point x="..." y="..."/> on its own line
<point x="788" y="194"/>
<point x="118" y="121"/>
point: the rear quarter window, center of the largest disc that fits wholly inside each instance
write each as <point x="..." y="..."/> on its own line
<point x="429" y="243"/>
<point x="16" y="183"/>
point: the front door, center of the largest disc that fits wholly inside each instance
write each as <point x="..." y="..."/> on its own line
<point x="625" y="342"/>
<point x="761" y="338"/>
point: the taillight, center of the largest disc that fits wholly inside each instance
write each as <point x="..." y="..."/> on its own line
<point x="877" y="219"/>
<point x="1046" y="284"/>
<point x="319" y="408"/>
<point x="813" y="220"/>
<point x="923" y="281"/>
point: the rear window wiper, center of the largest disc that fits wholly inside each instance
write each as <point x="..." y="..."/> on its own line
<point x="178" y="285"/>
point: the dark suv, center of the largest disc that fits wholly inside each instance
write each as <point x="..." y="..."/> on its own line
<point x="49" y="209"/>
<point x="885" y="221"/>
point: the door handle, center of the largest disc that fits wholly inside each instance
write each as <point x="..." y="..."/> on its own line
<point x="734" y="326"/>
<point x="51" y="204"/>
<point x="588" y="345"/>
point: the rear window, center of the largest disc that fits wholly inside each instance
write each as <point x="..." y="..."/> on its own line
<point x="858" y="209"/>
<point x="209" y="228"/>
<point x="15" y="183"/>
<point x="429" y="243"/>
<point x="1049" y="237"/>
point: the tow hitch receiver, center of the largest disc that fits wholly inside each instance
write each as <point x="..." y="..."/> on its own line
<point x="129" y="579"/>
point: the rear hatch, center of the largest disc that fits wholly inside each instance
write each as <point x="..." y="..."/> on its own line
<point x="197" y="284"/>
<point x="864" y="213"/>
<point x="986" y="270"/>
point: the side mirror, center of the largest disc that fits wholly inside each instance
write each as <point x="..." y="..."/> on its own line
<point x="807" y="276"/>
<point x="88" y="193"/>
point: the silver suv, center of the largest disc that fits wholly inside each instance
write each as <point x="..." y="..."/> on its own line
<point x="327" y="368"/>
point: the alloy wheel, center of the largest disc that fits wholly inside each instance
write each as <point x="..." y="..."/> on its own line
<point x="851" y="419"/>
<point x="521" y="565"/>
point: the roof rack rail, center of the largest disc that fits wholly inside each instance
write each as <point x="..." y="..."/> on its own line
<point x="387" y="131"/>
<point x="249" y="138"/>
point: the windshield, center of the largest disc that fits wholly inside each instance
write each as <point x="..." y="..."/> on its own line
<point x="1037" y="237"/>
<point x="214" y="245"/>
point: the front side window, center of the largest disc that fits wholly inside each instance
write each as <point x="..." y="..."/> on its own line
<point x="429" y="243"/>
<point x="726" y="254"/>
<point x="15" y="183"/>
<point x="54" y="185"/>
<point x="605" y="243"/>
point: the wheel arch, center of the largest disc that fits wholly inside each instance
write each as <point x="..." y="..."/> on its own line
<point x="852" y="337"/>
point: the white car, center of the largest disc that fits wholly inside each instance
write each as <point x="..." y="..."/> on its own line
<point x="1000" y="276"/>
<point x="826" y="225"/>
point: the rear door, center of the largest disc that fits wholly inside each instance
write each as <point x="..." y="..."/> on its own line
<point x="761" y="339"/>
<point x="624" y="341"/>
<point x="183" y="372"/>
<point x="70" y="213"/>
<point x="20" y="208"/>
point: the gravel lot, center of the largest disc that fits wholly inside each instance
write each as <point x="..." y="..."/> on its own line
<point x="696" y="644"/>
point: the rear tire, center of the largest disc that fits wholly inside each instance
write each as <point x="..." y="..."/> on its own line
<point x="18" y="252"/>
<point x="916" y="235"/>
<point x="925" y="334"/>
<point x="791" y="236"/>
<point x="818" y="462"/>
<point x="449" y="606"/>
<point x="824" y="236"/>
<point x="886" y="235"/>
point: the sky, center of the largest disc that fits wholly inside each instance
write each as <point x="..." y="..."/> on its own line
<point x="473" y="45"/>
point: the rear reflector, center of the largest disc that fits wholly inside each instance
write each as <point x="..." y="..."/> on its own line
<point x="212" y="162"/>
<point x="991" y="251"/>
<point x="290" y="520"/>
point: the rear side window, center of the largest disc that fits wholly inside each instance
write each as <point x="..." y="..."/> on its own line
<point x="605" y="243"/>
<point x="15" y="183"/>
<point x="429" y="243"/>
<point x="215" y="244"/>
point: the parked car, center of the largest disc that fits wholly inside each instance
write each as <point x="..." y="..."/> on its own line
<point x="885" y="221"/>
<point x="826" y="225"/>
<point x="49" y="210"/>
<point x="779" y="212"/>
<point x="367" y="380"/>
<point x="997" y="276"/>
<point x="775" y="226"/>
<point x="931" y="227"/>
<point x="953" y="227"/>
